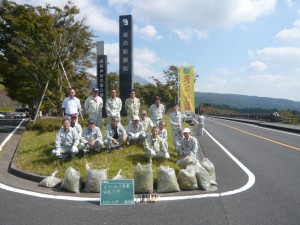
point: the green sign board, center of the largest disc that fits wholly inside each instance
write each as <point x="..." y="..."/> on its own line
<point x="117" y="192"/>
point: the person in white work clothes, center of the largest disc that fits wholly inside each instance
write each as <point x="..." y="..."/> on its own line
<point x="200" y="119"/>
<point x="176" y="118"/>
<point x="113" y="106"/>
<point x="157" y="111"/>
<point x="132" y="106"/>
<point x="93" y="106"/>
<point x="71" y="105"/>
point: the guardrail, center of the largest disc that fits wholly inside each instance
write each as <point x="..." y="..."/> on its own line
<point x="295" y="119"/>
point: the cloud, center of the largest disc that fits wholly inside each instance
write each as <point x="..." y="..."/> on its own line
<point x="144" y="60"/>
<point x="202" y="13"/>
<point x="148" y="32"/>
<point x="188" y="34"/>
<point x="97" y="17"/>
<point x="280" y="55"/>
<point x="258" y="66"/>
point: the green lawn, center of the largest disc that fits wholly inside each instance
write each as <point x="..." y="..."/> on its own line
<point x="34" y="154"/>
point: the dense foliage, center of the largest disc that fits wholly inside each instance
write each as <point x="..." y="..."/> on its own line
<point x="40" y="45"/>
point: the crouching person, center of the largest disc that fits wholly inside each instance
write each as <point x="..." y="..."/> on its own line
<point x="135" y="131"/>
<point x="91" y="138"/>
<point x="115" y="134"/>
<point x="154" y="146"/>
<point x="66" y="141"/>
<point x="189" y="146"/>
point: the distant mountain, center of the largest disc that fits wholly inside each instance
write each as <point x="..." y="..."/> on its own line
<point x="141" y="80"/>
<point x="244" y="101"/>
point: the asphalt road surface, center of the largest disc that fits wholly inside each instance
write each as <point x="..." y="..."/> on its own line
<point x="270" y="196"/>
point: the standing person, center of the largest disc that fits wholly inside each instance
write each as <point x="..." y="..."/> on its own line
<point x="189" y="145"/>
<point x="179" y="137"/>
<point x="132" y="106"/>
<point x="66" y="141"/>
<point x="157" y="111"/>
<point x="154" y="146"/>
<point x="135" y="131"/>
<point x="176" y="121"/>
<point x="200" y="119"/>
<point x="146" y="121"/>
<point x="113" y="106"/>
<point x="93" y="106"/>
<point x="76" y="125"/>
<point x="91" y="138"/>
<point x="163" y="133"/>
<point x="115" y="134"/>
<point x="71" y="105"/>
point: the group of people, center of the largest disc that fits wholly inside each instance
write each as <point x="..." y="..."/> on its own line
<point x="149" y="132"/>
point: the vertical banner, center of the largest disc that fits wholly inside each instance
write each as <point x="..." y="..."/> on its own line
<point x="125" y="57"/>
<point x="102" y="79"/>
<point x="186" y="79"/>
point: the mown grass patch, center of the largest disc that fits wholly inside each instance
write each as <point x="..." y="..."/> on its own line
<point x="37" y="142"/>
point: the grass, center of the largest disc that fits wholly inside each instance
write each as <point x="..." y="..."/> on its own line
<point x="37" y="142"/>
<point x="7" y="109"/>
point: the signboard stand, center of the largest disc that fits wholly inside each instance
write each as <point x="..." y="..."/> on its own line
<point x="117" y="192"/>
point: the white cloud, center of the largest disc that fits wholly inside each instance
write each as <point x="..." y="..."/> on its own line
<point x="148" y="32"/>
<point x="188" y="34"/>
<point x="202" y="13"/>
<point x="258" y="66"/>
<point x="292" y="34"/>
<point x="97" y="17"/>
<point x="280" y="55"/>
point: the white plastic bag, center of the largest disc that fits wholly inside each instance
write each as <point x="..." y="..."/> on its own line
<point x="166" y="180"/>
<point x="187" y="179"/>
<point x="72" y="180"/>
<point x="143" y="179"/>
<point x="203" y="178"/>
<point x="50" y="181"/>
<point x="210" y="168"/>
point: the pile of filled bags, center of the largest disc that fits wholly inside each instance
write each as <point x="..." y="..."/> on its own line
<point x="191" y="176"/>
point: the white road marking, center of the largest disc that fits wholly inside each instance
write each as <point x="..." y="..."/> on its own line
<point x="249" y="184"/>
<point x="9" y="136"/>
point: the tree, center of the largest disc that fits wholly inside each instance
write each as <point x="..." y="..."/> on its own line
<point x="40" y="46"/>
<point x="171" y="76"/>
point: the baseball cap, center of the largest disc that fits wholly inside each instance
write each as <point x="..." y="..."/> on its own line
<point x="92" y="120"/>
<point x="95" y="90"/>
<point x="144" y="112"/>
<point x="135" y="117"/>
<point x="186" y="130"/>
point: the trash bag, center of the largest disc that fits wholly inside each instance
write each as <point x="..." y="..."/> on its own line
<point x="210" y="168"/>
<point x="188" y="160"/>
<point x="72" y="180"/>
<point x="187" y="179"/>
<point x="50" y="181"/>
<point x="93" y="180"/>
<point x="202" y="176"/>
<point x="119" y="176"/>
<point x="166" y="180"/>
<point x="143" y="179"/>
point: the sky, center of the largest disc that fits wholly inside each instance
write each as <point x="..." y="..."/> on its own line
<point x="248" y="47"/>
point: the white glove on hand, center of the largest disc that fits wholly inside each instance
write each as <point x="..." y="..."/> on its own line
<point x="74" y="149"/>
<point x="57" y="153"/>
<point x="152" y="152"/>
<point x="136" y="136"/>
<point x="167" y="155"/>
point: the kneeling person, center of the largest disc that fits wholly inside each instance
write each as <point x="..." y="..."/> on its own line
<point x="91" y="138"/>
<point x="154" y="146"/>
<point x="189" y="146"/>
<point x="66" y="141"/>
<point x="135" y="131"/>
<point x="115" y="134"/>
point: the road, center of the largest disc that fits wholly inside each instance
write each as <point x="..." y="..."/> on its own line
<point x="273" y="197"/>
